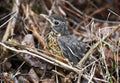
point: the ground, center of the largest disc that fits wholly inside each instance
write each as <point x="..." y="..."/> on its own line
<point x="23" y="54"/>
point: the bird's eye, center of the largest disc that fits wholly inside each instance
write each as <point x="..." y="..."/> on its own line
<point x="56" y="22"/>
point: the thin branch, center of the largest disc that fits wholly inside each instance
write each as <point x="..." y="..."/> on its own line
<point x="96" y="45"/>
<point x="14" y="13"/>
<point x="11" y="24"/>
<point x="80" y="12"/>
<point x="43" y="57"/>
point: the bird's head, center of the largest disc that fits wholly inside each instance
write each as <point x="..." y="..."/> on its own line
<point x="58" y="23"/>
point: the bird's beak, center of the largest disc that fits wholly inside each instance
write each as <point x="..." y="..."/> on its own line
<point x="47" y="18"/>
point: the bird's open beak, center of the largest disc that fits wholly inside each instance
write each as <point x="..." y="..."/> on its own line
<point x="47" y="18"/>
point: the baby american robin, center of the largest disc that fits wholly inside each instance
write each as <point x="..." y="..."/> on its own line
<point x="60" y="42"/>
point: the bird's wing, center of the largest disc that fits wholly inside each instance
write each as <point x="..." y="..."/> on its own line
<point x="71" y="48"/>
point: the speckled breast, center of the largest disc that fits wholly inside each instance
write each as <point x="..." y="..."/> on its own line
<point x="52" y="44"/>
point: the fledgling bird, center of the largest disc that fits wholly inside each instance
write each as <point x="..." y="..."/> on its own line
<point x="60" y="42"/>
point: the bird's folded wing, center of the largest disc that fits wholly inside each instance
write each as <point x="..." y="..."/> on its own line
<point x="71" y="48"/>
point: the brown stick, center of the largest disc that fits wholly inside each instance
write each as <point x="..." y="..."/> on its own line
<point x="11" y="24"/>
<point x="42" y="56"/>
<point x="96" y="45"/>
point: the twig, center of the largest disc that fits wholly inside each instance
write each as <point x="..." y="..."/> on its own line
<point x="107" y="77"/>
<point x="18" y="69"/>
<point x="114" y="13"/>
<point x="58" y="73"/>
<point x="99" y="10"/>
<point x="97" y="79"/>
<point x="37" y="35"/>
<point x="95" y="45"/>
<point x="92" y="73"/>
<point x="31" y="24"/>
<point x="43" y="57"/>
<point x="12" y="22"/>
<point x="14" y="13"/>
<point x="80" y="12"/>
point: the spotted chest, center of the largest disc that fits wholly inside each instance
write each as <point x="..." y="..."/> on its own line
<point x="52" y="44"/>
